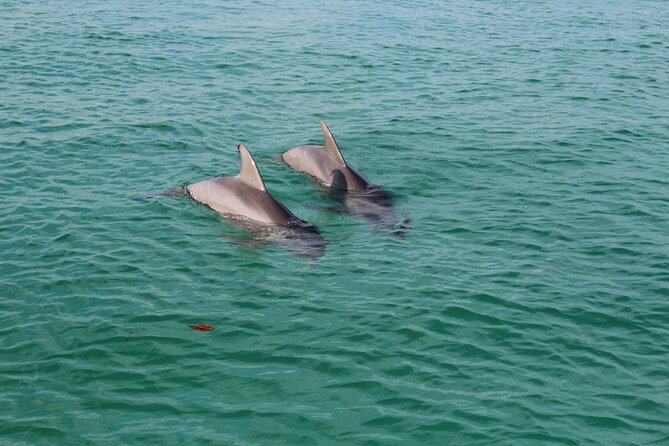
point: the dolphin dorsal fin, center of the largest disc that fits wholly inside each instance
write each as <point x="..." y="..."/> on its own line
<point x="331" y="147"/>
<point x="249" y="171"/>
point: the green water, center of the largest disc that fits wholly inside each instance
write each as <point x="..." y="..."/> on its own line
<point x="527" y="140"/>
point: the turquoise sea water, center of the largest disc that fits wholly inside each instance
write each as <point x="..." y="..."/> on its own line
<point x="528" y="140"/>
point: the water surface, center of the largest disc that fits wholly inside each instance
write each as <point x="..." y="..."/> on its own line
<point x="528" y="140"/>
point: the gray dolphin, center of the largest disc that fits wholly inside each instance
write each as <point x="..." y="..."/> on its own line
<point x="327" y="166"/>
<point x="244" y="200"/>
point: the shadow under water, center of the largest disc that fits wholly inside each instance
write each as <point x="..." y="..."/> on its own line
<point x="375" y="206"/>
<point x="298" y="237"/>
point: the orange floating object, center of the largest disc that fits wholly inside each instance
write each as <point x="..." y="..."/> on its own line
<point x="202" y="327"/>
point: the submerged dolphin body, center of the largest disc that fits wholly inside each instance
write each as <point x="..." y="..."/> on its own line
<point x="244" y="200"/>
<point x="326" y="165"/>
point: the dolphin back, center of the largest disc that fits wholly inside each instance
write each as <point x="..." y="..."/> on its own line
<point x="326" y="164"/>
<point x="241" y="196"/>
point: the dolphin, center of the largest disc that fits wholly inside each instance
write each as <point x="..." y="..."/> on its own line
<point x="245" y="202"/>
<point x="327" y="167"/>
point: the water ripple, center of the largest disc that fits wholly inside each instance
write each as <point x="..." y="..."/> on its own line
<point x="528" y="143"/>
